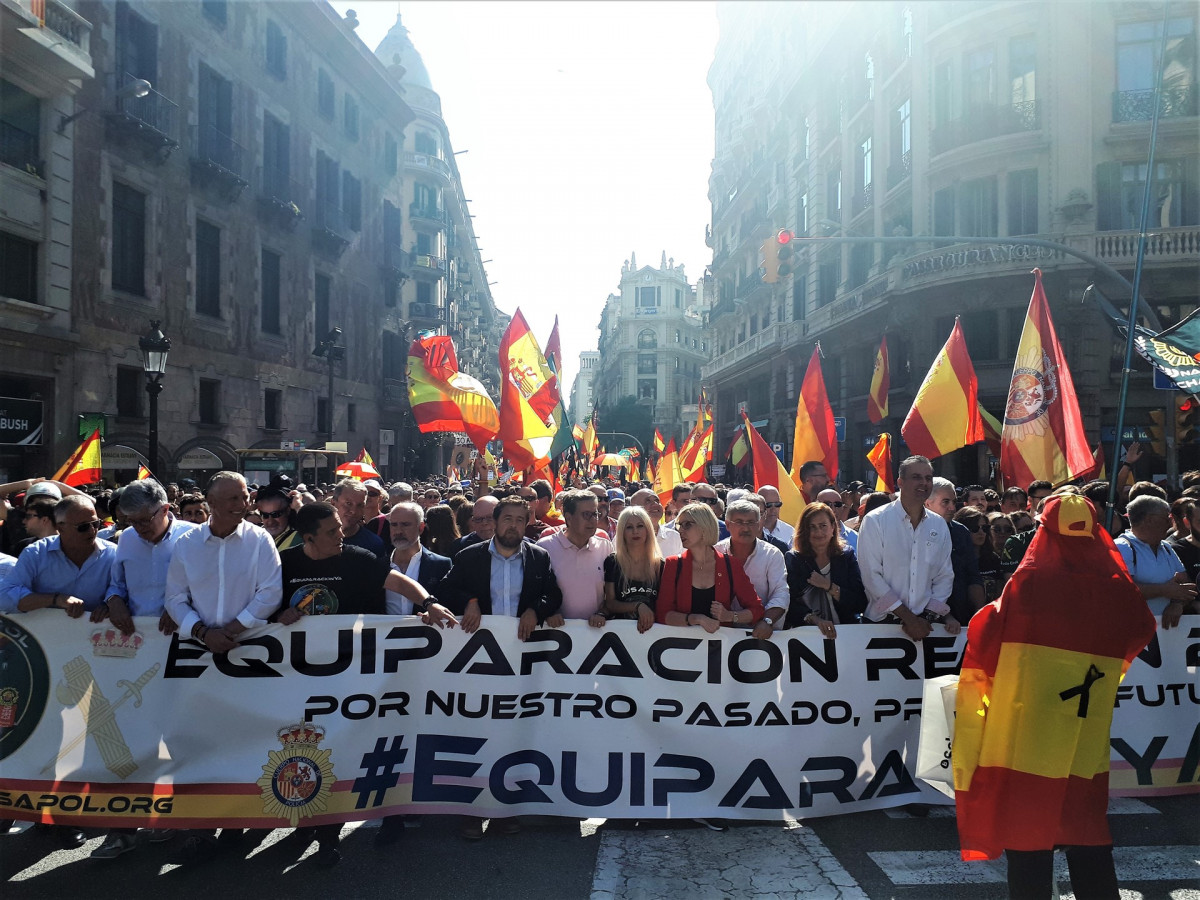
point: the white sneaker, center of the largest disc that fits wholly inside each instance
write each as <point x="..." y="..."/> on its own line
<point x="114" y="845"/>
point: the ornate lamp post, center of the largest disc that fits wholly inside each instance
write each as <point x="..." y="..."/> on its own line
<point x="332" y="352"/>
<point x="155" y="346"/>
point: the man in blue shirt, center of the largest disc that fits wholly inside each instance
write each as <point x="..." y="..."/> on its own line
<point x="350" y="501"/>
<point x="70" y="571"/>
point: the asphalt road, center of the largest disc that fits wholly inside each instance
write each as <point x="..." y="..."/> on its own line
<point x="871" y="855"/>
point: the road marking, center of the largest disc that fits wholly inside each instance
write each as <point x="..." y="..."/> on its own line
<point x="924" y="867"/>
<point x="682" y="863"/>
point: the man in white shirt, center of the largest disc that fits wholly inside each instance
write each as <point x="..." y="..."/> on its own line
<point x="781" y="531"/>
<point x="763" y="563"/>
<point x="406" y="521"/>
<point x="904" y="556"/>
<point x="832" y="498"/>
<point x="578" y="555"/>
<point x="669" y="543"/>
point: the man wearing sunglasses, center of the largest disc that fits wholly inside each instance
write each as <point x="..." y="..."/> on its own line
<point x="771" y="525"/>
<point x="275" y="507"/>
<point x="832" y="498"/>
<point x="70" y="571"/>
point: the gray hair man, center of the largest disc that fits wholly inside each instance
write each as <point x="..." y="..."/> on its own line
<point x="967" y="595"/>
<point x="832" y="498"/>
<point x="1152" y="562"/>
<point x="771" y="524"/>
<point x="763" y="563"/>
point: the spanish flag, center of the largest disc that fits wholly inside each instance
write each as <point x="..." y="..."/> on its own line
<point x="668" y="474"/>
<point x="84" y="466"/>
<point x="739" y="448"/>
<point x="815" y="437"/>
<point x="365" y="457"/>
<point x="1043" y="436"/>
<point x="1039" y="679"/>
<point x="945" y="412"/>
<point x="881" y="383"/>
<point x="768" y="470"/>
<point x="880" y="459"/>
<point x="143" y="474"/>
<point x="659" y="443"/>
<point x="692" y="463"/>
<point x="443" y="398"/>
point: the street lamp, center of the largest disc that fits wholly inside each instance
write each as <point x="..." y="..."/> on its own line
<point x="155" y="346"/>
<point x="330" y="350"/>
<point x="134" y="90"/>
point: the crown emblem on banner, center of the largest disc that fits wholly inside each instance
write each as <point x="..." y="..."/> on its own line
<point x="301" y="733"/>
<point x="111" y="642"/>
<point x="298" y="778"/>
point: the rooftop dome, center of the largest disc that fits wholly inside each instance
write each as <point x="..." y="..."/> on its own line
<point x="397" y="43"/>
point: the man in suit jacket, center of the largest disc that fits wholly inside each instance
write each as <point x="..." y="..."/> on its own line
<point x="406" y="521"/>
<point x="505" y="576"/>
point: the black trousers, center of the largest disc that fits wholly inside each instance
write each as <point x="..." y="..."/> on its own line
<point x="1093" y="873"/>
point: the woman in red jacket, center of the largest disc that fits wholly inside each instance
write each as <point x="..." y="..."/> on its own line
<point x="698" y="587"/>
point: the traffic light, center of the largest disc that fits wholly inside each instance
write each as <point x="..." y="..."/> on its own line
<point x="1158" y="432"/>
<point x="768" y="261"/>
<point x="783" y="252"/>
<point x="1187" y="419"/>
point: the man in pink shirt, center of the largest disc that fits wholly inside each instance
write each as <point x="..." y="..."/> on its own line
<point x="578" y="555"/>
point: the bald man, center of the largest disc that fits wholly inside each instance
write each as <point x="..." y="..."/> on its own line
<point x="833" y="499"/>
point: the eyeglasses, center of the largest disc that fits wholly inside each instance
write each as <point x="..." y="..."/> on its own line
<point x="481" y="518"/>
<point x="278" y="514"/>
<point x="979" y="526"/>
<point x="590" y="515"/>
<point x="147" y="521"/>
<point x="837" y="504"/>
<point x="85" y="527"/>
<point x="774" y="504"/>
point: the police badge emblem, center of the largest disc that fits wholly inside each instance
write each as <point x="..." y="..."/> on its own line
<point x="297" y="780"/>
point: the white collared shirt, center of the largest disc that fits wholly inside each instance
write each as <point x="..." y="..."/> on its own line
<point x="782" y="532"/>
<point x="398" y="604"/>
<point x="767" y="572"/>
<point x="901" y="563"/>
<point x="669" y="542"/>
<point x="216" y="580"/>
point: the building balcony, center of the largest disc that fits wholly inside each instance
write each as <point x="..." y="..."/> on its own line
<point x="153" y="120"/>
<point x="56" y="41"/>
<point x="769" y="341"/>
<point x="983" y="122"/>
<point x="427" y="312"/>
<point x="1119" y="248"/>
<point x="330" y="232"/>
<point x="278" y="198"/>
<point x="427" y="164"/>
<point x="19" y="149"/>
<point x="395" y="262"/>
<point x="1138" y="106"/>
<point x="428" y="267"/>
<point x="900" y="170"/>
<point x="219" y="160"/>
<point x="430" y="218"/>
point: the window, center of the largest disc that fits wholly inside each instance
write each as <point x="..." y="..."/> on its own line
<point x="903" y="135"/>
<point x="391" y="228"/>
<point x="1138" y="46"/>
<point x="678" y="298"/>
<point x="350" y="117"/>
<point x="648" y="296"/>
<point x="865" y="154"/>
<point x="128" y="240"/>
<point x="677" y="335"/>
<point x="828" y="274"/>
<point x="647" y="339"/>
<point x="215" y="111"/>
<point x="277" y="161"/>
<point x="869" y="75"/>
<point x="647" y="364"/>
<point x="861" y="257"/>
<point x="424" y="142"/>
<point x="981" y="330"/>
<point x="943" y="212"/>
<point x="208" y="269"/>
<point x="20" y="125"/>
<point x="833" y="200"/>
<point x="799" y="295"/>
<point x="753" y="324"/>
<point x="352" y="201"/>
<point x="276" y="51"/>
<point x="390" y="154"/>
<point x="328" y="208"/>
<point x="1022" y="69"/>
<point x="807" y="138"/>
<point x="978" y="210"/>
<point x="321" y="307"/>
<point x="210" y="401"/>
<point x="802" y="214"/>
<point x="648" y="389"/>
<point x="395" y="355"/>
<point x="425" y="292"/>
<point x="323" y="424"/>
<point x="1174" y="199"/>
<point x="325" y="100"/>
<point x="272" y="410"/>
<point x="352" y="417"/>
<point x="1023" y="202"/>
<point x="269" y="310"/>
<point x="216" y="11"/>
<point x="129" y="392"/>
<point x="425" y="244"/>
<point x="18" y="268"/>
<point x="979" y="78"/>
<point x="137" y="46"/>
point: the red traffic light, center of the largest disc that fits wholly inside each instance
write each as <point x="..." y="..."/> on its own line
<point x="1187" y="405"/>
<point x="784" y="237"/>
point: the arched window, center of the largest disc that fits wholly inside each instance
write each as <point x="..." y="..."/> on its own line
<point x="647" y="339"/>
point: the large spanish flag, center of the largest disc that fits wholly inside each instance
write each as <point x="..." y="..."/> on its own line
<point x="880" y="459"/>
<point x="84" y="466"/>
<point x="1039" y="680"/>
<point x="945" y="412"/>
<point x="739" y="447"/>
<point x="881" y="383"/>
<point x="668" y="474"/>
<point x="528" y="397"/>
<point x="691" y="462"/>
<point x="769" y="471"/>
<point x="443" y="398"/>
<point x="815" y="437"/>
<point x="1043" y="436"/>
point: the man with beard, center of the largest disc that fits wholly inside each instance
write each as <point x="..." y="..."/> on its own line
<point x="406" y="521"/>
<point x="904" y="556"/>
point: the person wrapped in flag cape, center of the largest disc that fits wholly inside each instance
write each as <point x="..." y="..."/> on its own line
<point x="1035" y="704"/>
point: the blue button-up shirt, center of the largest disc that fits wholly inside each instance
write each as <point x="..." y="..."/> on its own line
<point x="43" y="568"/>
<point x="139" y="572"/>
<point x="507" y="574"/>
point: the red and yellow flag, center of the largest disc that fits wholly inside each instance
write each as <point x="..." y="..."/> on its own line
<point x="525" y="378"/>
<point x="945" y="412"/>
<point x="880" y="458"/>
<point x="668" y="473"/>
<point x="1043" y="436"/>
<point x="739" y="449"/>
<point x="815" y="436"/>
<point x="364" y="456"/>
<point x="1039" y="680"/>
<point x="881" y="383"/>
<point x="659" y="444"/>
<point x="84" y="466"/>
<point x="769" y="470"/>
<point x="691" y="462"/>
<point x="143" y="473"/>
<point x="445" y="399"/>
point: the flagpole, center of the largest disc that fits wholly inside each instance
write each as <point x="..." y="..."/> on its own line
<point x="1130" y="325"/>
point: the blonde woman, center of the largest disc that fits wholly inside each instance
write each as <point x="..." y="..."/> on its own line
<point x="632" y="572"/>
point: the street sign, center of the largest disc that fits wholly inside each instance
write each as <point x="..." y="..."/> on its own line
<point x="717" y="469"/>
<point x="1163" y="381"/>
<point x="839" y="427"/>
<point x="778" y="448"/>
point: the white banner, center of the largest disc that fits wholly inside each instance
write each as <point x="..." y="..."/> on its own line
<point x="341" y="718"/>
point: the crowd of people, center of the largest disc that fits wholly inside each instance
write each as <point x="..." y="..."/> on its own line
<point x="212" y="565"/>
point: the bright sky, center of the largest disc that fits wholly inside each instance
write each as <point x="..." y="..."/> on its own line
<point x="590" y="131"/>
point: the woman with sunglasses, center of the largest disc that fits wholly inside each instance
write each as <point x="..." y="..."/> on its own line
<point x="823" y="577"/>
<point x="633" y="571"/>
<point x="989" y="560"/>
<point x="697" y="586"/>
